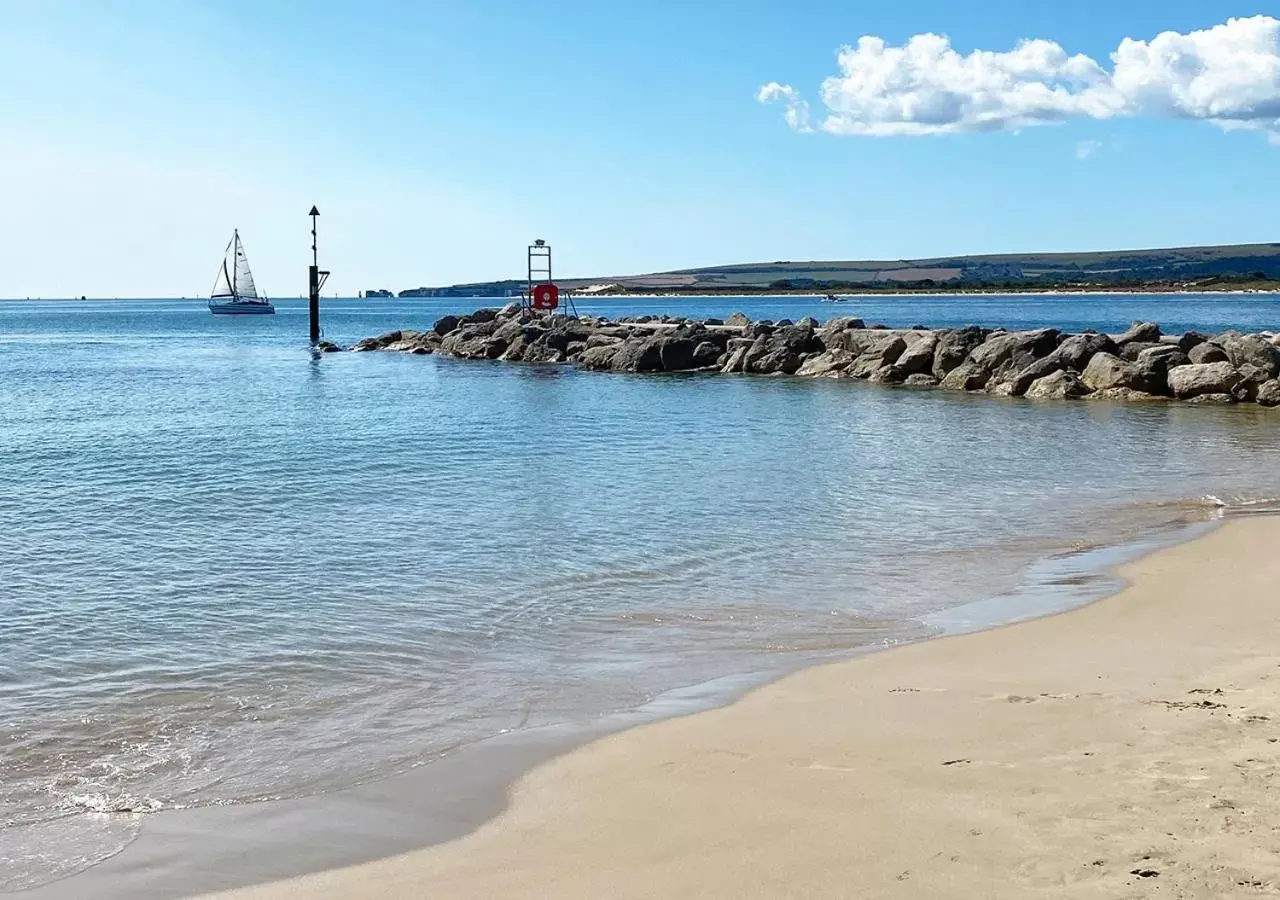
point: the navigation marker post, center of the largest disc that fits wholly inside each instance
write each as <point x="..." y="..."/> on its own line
<point x="316" y="280"/>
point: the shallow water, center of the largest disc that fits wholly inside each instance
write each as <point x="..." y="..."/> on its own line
<point x="234" y="572"/>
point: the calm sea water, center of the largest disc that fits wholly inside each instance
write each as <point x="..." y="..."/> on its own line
<point x="232" y="572"/>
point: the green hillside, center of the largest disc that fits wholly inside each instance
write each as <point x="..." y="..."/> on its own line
<point x="1180" y="267"/>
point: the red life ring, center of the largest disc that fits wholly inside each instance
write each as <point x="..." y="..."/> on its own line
<point x="546" y="296"/>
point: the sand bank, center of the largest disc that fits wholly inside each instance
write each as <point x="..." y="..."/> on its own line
<point x="1126" y="749"/>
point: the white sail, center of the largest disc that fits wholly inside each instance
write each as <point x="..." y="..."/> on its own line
<point x="222" y="281"/>
<point x="234" y="279"/>
<point x="244" y="285"/>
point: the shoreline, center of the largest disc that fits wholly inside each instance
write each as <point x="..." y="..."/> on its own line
<point x="218" y="848"/>
<point x="1053" y="757"/>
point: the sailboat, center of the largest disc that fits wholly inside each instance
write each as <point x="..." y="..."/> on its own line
<point x="234" y="293"/>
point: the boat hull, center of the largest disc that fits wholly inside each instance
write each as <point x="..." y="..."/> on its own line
<point x="242" y="309"/>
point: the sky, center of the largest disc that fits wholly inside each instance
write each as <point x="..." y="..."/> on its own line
<point x="439" y="138"/>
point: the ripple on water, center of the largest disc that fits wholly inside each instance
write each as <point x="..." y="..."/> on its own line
<point x="233" y="574"/>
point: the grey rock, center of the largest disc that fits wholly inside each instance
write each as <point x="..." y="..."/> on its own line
<point x="809" y="322"/>
<point x="1076" y="350"/>
<point x="676" y="353"/>
<point x="540" y="353"/>
<point x="884" y="352"/>
<point x="889" y="374"/>
<point x="1191" y="339"/>
<point x="1207" y="352"/>
<point x="1250" y="350"/>
<point x="920" y="380"/>
<point x="953" y="348"/>
<point x="1107" y="371"/>
<point x="639" y="354"/>
<point x="1018" y="349"/>
<point x="1132" y="350"/>
<point x="1059" y="385"/>
<point x="738" y="318"/>
<point x="967" y="376"/>
<point x="445" y="324"/>
<point x="1140" y="332"/>
<point x="1042" y="368"/>
<point x="602" y="340"/>
<point x="1268" y="393"/>
<point x="1122" y="395"/>
<point x="705" y="354"/>
<point x="917" y="358"/>
<point x="511" y="309"/>
<point x="480" y="316"/>
<point x="826" y="364"/>
<point x="1213" y="399"/>
<point x="1197" y="379"/>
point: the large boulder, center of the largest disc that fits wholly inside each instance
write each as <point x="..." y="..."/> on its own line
<point x="1140" y="332"/>
<point x="1015" y="350"/>
<point x="480" y="316"/>
<point x="1020" y="383"/>
<point x="705" y="354"/>
<point x="1107" y="371"/>
<point x="920" y="381"/>
<point x="738" y="319"/>
<point x="1132" y="350"/>
<point x="1268" y="393"/>
<point x="1152" y="368"/>
<point x="598" y="357"/>
<point x="1250" y="350"/>
<point x="510" y="310"/>
<point x="1203" y="378"/>
<point x="917" y="358"/>
<point x="856" y="340"/>
<point x="829" y="363"/>
<point x="1059" y="385"/>
<point x="1207" y="352"/>
<point x="637" y="354"/>
<point x="445" y="324"/>
<point x="1191" y="339"/>
<point x="676" y="353"/>
<point x="1077" y="349"/>
<point x="953" y="348"/>
<point x="883" y="353"/>
<point x="968" y="376"/>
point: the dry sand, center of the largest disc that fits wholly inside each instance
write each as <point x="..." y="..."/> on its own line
<point x="1126" y="749"/>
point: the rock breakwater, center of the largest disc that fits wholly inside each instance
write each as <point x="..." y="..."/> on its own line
<point x="1142" y="364"/>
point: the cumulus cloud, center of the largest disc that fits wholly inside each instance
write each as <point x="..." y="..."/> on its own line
<point x="1228" y="75"/>
<point x="797" y="114"/>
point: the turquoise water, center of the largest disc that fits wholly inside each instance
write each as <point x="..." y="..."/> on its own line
<point x="232" y="571"/>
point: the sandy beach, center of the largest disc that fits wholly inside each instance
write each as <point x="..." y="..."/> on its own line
<point x="1125" y="749"/>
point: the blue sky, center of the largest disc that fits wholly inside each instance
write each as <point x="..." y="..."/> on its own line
<point x="439" y="138"/>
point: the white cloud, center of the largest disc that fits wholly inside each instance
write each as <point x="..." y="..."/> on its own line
<point x="1085" y="149"/>
<point x="1228" y="74"/>
<point x="797" y="114"/>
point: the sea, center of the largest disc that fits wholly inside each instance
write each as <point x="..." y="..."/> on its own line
<point x="234" y="571"/>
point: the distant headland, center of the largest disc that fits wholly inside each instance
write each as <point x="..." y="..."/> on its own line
<point x="1242" y="267"/>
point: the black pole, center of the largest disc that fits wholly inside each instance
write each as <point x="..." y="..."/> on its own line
<point x="313" y="280"/>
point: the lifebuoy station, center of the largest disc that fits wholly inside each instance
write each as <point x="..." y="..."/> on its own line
<point x="541" y="293"/>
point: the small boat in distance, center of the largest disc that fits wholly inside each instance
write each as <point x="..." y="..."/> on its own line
<point x="234" y="293"/>
<point x="832" y="298"/>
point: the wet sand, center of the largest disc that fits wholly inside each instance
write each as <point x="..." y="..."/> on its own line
<point x="1124" y="749"/>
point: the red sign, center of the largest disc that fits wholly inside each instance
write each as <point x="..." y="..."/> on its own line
<point x="545" y="296"/>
